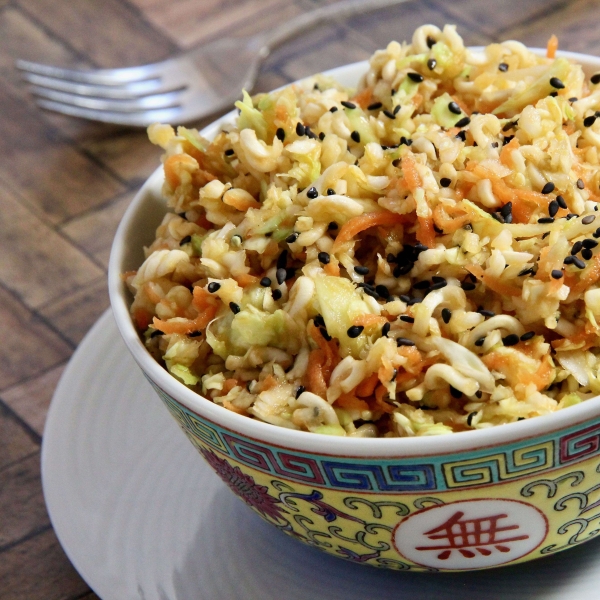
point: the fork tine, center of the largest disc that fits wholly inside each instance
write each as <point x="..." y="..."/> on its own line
<point x="95" y="76"/>
<point x="153" y="102"/>
<point x="139" y="119"/>
<point x="124" y="92"/>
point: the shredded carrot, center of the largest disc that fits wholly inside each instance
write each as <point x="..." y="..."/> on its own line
<point x="367" y="386"/>
<point x="589" y="278"/>
<point x="203" y="222"/>
<point x="378" y="403"/>
<point x="240" y="204"/>
<point x="552" y="47"/>
<point x="268" y="383"/>
<point x="411" y="175"/>
<point x="228" y="385"/>
<point x="494" y="283"/>
<point x="368" y="320"/>
<point x="142" y="318"/>
<point x="447" y="223"/>
<point x="321" y="362"/>
<point x="426" y="233"/>
<point x="350" y="402"/>
<point x="332" y="268"/>
<point x="233" y="408"/>
<point x="363" y="99"/>
<point x="245" y="279"/>
<point x="205" y="303"/>
<point x="505" y="153"/>
<point x="354" y="226"/>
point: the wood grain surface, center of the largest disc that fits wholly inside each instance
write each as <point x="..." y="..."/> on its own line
<point x="64" y="184"/>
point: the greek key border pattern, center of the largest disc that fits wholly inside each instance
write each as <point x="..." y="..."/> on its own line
<point x="407" y="475"/>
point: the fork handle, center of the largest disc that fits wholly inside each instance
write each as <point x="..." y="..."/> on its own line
<point x="339" y="10"/>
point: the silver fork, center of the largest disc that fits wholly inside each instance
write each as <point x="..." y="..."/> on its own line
<point x="184" y="88"/>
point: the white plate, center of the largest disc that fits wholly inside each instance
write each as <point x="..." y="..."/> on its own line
<point x="141" y="516"/>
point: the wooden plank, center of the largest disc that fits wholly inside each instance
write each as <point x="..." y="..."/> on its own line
<point x="30" y="400"/>
<point x="21" y="501"/>
<point x="574" y="23"/>
<point x="74" y="314"/>
<point x="39" y="568"/>
<point x="497" y="24"/>
<point x="38" y="264"/>
<point x="127" y="39"/>
<point x="189" y="22"/>
<point x="95" y="230"/>
<point x="32" y="347"/>
<point x="15" y="441"/>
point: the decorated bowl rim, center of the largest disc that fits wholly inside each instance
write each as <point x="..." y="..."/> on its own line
<point x="148" y="203"/>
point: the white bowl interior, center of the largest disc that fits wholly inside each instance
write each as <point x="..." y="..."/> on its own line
<point x="137" y="229"/>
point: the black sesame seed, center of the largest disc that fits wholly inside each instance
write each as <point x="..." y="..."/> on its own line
<point x="355" y="136"/>
<point x="549" y="187"/>
<point x="544" y="220"/>
<point x="446" y="315"/>
<point x="389" y="114"/>
<point x="396" y="162"/>
<point x="332" y="226"/>
<point x="420" y="248"/>
<point x="455" y="393"/>
<point x="416" y="77"/>
<point x="330" y="192"/>
<point x="439" y="285"/>
<point x="589" y="219"/>
<point x="374" y="106"/>
<point x="312" y="193"/>
<point x="282" y="260"/>
<point x="405" y="140"/>
<point x="319" y="321"/>
<point x="577" y="246"/>
<point x="503" y="67"/>
<point x="454" y="108"/>
<point x="301" y="389"/>
<point x="404" y="342"/>
<point x="414" y="301"/>
<point x="573" y="99"/>
<point x="333" y="109"/>
<point x="235" y="308"/>
<point x="405" y="298"/>
<point x="229" y="152"/>
<point x="580" y="184"/>
<point x="511" y="339"/>
<point x="324" y="258"/>
<point x="596" y="233"/>
<point x="281" y="275"/>
<point x="586" y="254"/>
<point x="280" y="133"/>
<point x="431" y="42"/>
<point x="445" y="182"/>
<point x="276" y="294"/>
<point x="527" y="336"/>
<point x="348" y="104"/>
<point x="506" y="209"/>
<point x="470" y="419"/>
<point x="461" y="135"/>
<point x="595" y="78"/>
<point x="403" y="269"/>
<point x="588" y="243"/>
<point x="300" y="129"/>
<point x="406" y="318"/>
<point x="553" y="208"/>
<point x="371" y="292"/>
<point x="382" y="291"/>
<point x="479" y="342"/>
<point x="361" y="270"/>
<point x="265" y="281"/>
<point x="290" y="273"/>
<point x="525" y="272"/>
<point x="290" y="239"/>
<point x="322" y="135"/>
<point x="509" y="125"/>
<point x="467" y="286"/>
<point x="186" y="240"/>
<point x="578" y="262"/>
<point x="571" y="216"/>
<point x="462" y="122"/>
<point x="555" y="82"/>
<point x="507" y="139"/>
<point x="561" y="201"/>
<point x="385" y="330"/>
<point x="589" y="121"/>
<point x="157" y="332"/>
<point x="553" y="94"/>
<point x="569" y="260"/>
<point x="421" y="285"/>
<point x="557" y="273"/>
<point x="486" y="313"/>
<point x="431" y="64"/>
<point x="355" y="331"/>
<point x="396" y="109"/>
<point x="213" y="287"/>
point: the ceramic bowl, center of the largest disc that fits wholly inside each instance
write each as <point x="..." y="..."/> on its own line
<point x="465" y="501"/>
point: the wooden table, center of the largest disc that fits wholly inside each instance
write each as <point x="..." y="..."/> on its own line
<point x="65" y="183"/>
